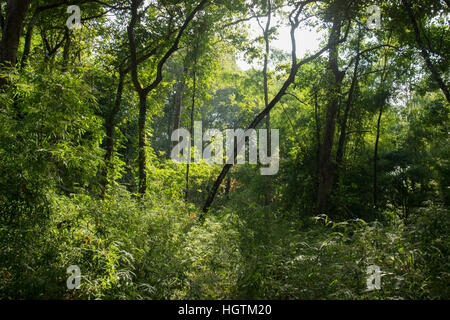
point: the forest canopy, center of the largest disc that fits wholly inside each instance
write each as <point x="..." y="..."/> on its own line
<point x="139" y="153"/>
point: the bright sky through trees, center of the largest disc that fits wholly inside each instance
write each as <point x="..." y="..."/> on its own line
<point x="307" y="41"/>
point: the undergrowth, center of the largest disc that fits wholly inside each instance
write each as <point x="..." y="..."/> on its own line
<point x="157" y="249"/>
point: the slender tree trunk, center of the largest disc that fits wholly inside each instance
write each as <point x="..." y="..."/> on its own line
<point x="424" y="52"/>
<point x="66" y="52"/>
<point x="293" y="72"/>
<point x="28" y="38"/>
<point x="186" y="196"/>
<point x="375" y="153"/>
<point x="144" y="91"/>
<point x="375" y="158"/>
<point x="2" y="19"/>
<point x="110" y="124"/>
<point x="348" y="105"/>
<point x="52" y="48"/>
<point x="326" y="166"/>
<point x="318" y="139"/>
<point x="267" y="187"/>
<point x="179" y="102"/>
<point x="227" y="188"/>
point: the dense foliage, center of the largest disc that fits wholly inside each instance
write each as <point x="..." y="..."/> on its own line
<point x="87" y="179"/>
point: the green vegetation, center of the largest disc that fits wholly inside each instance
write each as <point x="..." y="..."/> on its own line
<point x="86" y="178"/>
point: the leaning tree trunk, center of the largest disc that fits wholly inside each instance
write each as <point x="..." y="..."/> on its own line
<point x="348" y="105"/>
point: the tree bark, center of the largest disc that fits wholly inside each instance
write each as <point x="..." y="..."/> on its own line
<point x="375" y="153"/>
<point x="186" y="196"/>
<point x="318" y="139"/>
<point x="293" y="72"/>
<point x="179" y="102"/>
<point x="228" y="188"/>
<point x="375" y="158"/>
<point x="267" y="188"/>
<point x="143" y="92"/>
<point x="32" y="22"/>
<point x="66" y="52"/>
<point x="2" y="19"/>
<point x="348" y="105"/>
<point x="28" y="37"/>
<point x="326" y="165"/>
<point x="110" y="123"/>
<point x="16" y="11"/>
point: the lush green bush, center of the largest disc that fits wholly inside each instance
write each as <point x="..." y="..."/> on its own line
<point x="157" y="249"/>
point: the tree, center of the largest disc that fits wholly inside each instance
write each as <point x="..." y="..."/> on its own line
<point x="424" y="51"/>
<point x="16" y="11"/>
<point x="266" y="34"/>
<point x="335" y="77"/>
<point x="144" y="91"/>
<point x="294" y="20"/>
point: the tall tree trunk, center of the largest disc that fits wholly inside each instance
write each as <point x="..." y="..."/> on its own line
<point x="228" y="188"/>
<point x="267" y="187"/>
<point x="348" y="105"/>
<point x="186" y="196"/>
<point x="66" y="51"/>
<point x="318" y="139"/>
<point x="110" y="124"/>
<point x="28" y="38"/>
<point x="179" y="102"/>
<point x="16" y="11"/>
<point x="375" y="153"/>
<point x="2" y="19"/>
<point x="144" y="91"/>
<point x="326" y="166"/>
<point x="375" y="158"/>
